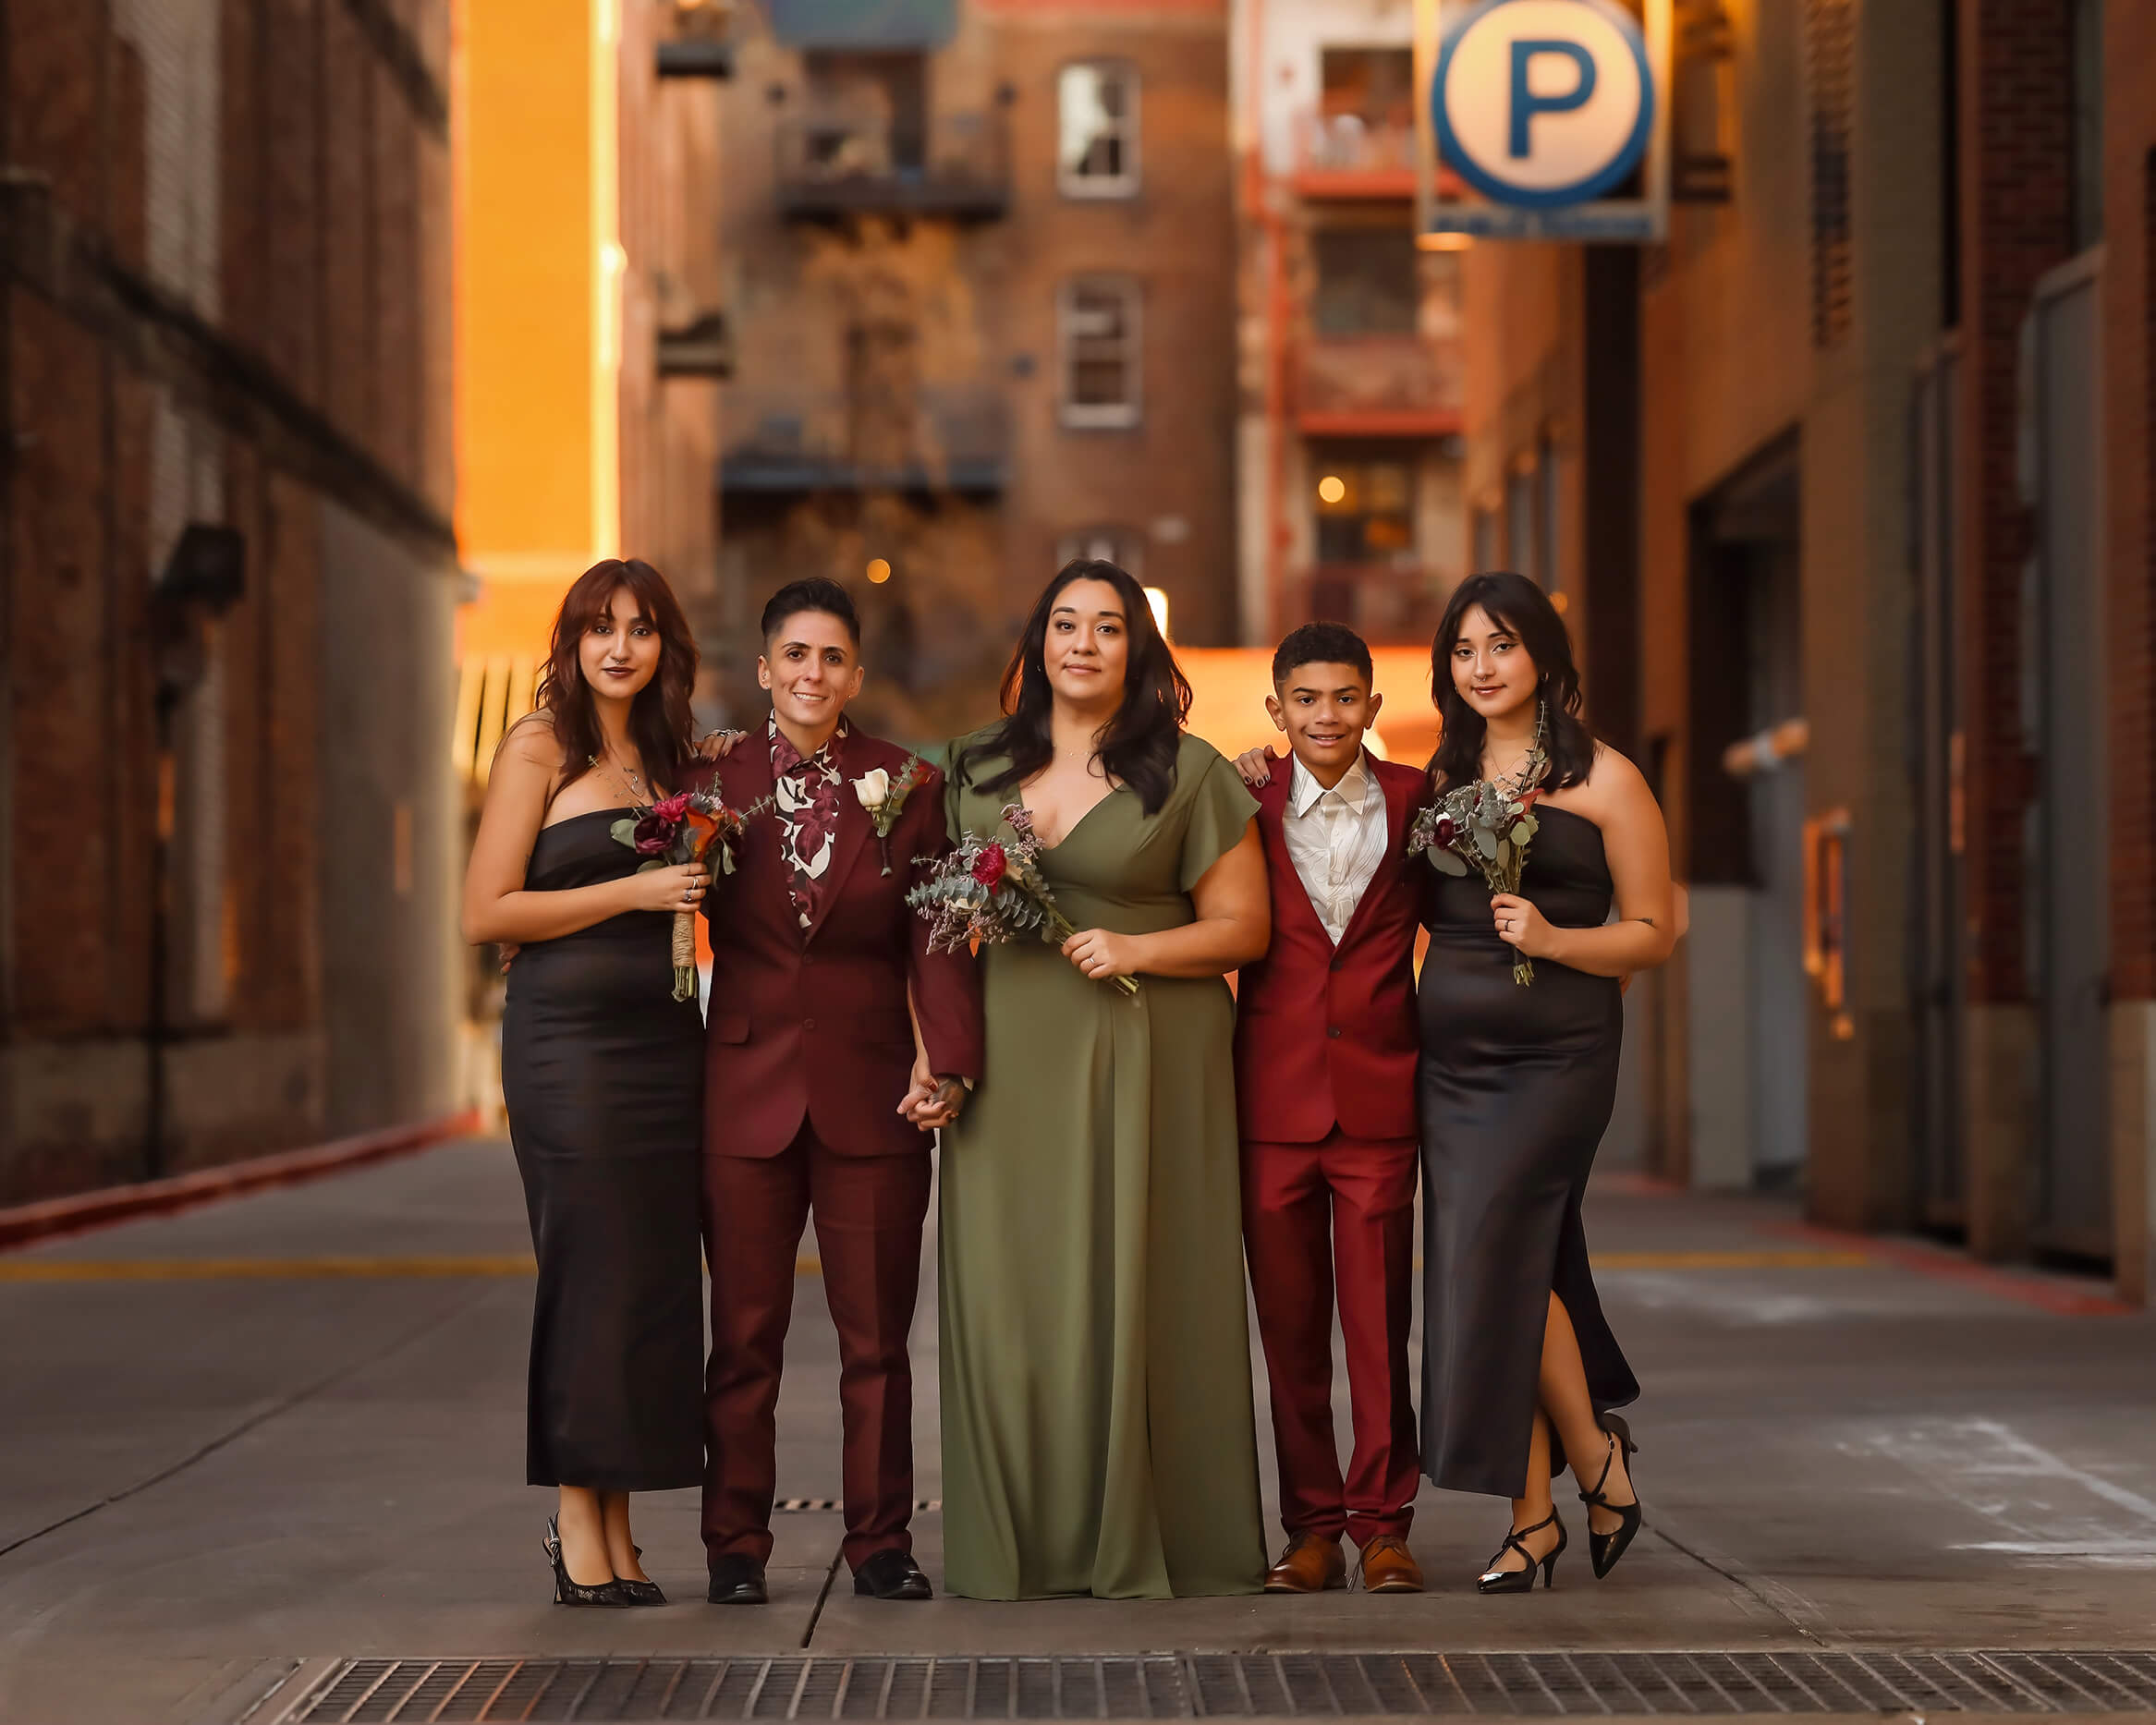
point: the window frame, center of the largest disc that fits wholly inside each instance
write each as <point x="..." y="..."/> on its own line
<point x="1090" y="187"/>
<point x="1121" y="416"/>
<point x="1126" y="545"/>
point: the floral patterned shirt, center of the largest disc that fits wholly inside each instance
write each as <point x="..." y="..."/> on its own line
<point x="806" y="799"/>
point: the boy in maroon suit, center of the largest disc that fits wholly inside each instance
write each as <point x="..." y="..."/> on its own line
<point x="1325" y="1052"/>
<point x="835" y="1039"/>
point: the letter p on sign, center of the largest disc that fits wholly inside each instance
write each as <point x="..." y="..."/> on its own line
<point x="1540" y="104"/>
<point x="1528" y="101"/>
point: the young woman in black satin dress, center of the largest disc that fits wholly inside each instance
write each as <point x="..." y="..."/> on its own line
<point x="1520" y="1370"/>
<point x="601" y="1071"/>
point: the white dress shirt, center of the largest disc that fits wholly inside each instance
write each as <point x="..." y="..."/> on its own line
<point x="1335" y="839"/>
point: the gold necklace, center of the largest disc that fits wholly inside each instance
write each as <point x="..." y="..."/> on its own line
<point x="638" y="797"/>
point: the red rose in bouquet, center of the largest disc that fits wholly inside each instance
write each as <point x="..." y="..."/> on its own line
<point x="988" y="891"/>
<point x="683" y="828"/>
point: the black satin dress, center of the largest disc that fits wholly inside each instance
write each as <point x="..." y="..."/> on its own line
<point x="1517" y="1085"/>
<point x="603" y="1077"/>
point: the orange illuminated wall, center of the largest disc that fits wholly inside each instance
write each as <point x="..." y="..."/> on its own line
<point x="537" y="332"/>
<point x="533" y="425"/>
<point x="1228" y="686"/>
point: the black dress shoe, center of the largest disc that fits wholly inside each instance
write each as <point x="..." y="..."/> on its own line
<point x="737" y="1580"/>
<point x="893" y="1574"/>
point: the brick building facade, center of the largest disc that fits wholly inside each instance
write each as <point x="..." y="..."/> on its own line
<point x="224" y="331"/>
<point x="1886" y="656"/>
<point x="1352" y="346"/>
<point x="980" y="267"/>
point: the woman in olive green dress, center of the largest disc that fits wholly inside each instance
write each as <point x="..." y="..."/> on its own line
<point x="1098" y="1435"/>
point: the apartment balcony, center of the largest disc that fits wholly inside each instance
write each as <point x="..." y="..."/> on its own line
<point x="946" y="439"/>
<point x="1392" y="385"/>
<point x="956" y="165"/>
<point x="1357" y="157"/>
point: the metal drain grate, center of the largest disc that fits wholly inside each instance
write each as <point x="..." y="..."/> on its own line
<point x="1275" y="1685"/>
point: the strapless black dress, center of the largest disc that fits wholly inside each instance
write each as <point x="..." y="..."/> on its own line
<point x="603" y="1077"/>
<point x="1517" y="1085"/>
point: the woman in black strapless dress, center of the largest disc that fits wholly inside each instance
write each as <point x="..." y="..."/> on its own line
<point x="1520" y="1370"/>
<point x="601" y="1072"/>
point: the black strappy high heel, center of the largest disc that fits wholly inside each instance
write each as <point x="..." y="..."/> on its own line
<point x="1495" y="1580"/>
<point x="606" y="1594"/>
<point x="639" y="1592"/>
<point x="1604" y="1549"/>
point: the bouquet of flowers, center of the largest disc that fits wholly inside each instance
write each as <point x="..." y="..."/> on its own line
<point x="1486" y="825"/>
<point x="987" y="890"/>
<point x="683" y="828"/>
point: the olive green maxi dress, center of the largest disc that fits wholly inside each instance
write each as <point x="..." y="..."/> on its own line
<point x="1097" y="1434"/>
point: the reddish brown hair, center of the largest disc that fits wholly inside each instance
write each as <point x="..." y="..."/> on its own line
<point x="660" y="723"/>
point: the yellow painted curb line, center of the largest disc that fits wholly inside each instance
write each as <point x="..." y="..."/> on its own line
<point x="521" y="1264"/>
<point x="278" y="1269"/>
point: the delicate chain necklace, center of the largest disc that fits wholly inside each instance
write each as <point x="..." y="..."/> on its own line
<point x="1533" y="766"/>
<point x="626" y="778"/>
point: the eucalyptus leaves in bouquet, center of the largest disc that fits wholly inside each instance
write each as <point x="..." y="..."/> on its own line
<point x="1488" y="826"/>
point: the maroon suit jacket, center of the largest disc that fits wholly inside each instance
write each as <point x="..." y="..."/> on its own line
<point x="810" y="1024"/>
<point x="1326" y="1037"/>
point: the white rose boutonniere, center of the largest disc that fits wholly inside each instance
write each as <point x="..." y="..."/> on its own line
<point x="885" y="798"/>
<point x="873" y="789"/>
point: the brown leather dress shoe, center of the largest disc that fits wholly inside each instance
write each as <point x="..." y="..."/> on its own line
<point x="1389" y="1567"/>
<point x="1313" y="1563"/>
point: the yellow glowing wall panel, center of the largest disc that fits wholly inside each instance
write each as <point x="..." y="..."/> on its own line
<point x="527" y="278"/>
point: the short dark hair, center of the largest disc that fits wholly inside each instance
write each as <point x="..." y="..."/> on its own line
<point x="817" y="593"/>
<point x="1322" y="644"/>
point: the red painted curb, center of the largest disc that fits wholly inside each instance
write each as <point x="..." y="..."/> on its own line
<point x="51" y="1218"/>
<point x="2045" y="1294"/>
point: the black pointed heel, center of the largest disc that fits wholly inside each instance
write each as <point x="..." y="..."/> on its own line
<point x="1604" y="1549"/>
<point x="639" y="1592"/>
<point x="606" y="1594"/>
<point x="1495" y="1580"/>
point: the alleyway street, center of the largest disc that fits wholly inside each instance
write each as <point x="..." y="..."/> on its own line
<point x="245" y="1444"/>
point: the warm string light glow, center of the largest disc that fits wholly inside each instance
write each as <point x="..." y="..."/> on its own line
<point x="1331" y="488"/>
<point x="878" y="571"/>
<point x="1157" y="599"/>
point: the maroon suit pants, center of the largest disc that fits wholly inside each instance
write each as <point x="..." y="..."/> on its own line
<point x="869" y="1215"/>
<point x="1338" y="1215"/>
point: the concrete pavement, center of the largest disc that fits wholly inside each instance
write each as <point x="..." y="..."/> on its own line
<point x="291" y="1427"/>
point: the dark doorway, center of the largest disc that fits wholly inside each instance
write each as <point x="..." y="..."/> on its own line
<point x="1750" y="1055"/>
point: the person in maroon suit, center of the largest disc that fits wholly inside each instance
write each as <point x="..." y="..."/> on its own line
<point x="820" y="1088"/>
<point x="1325" y="1053"/>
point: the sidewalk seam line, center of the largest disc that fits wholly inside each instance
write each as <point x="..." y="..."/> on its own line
<point x="816" y="1615"/>
<point x="1735" y="1580"/>
<point x="250" y="1424"/>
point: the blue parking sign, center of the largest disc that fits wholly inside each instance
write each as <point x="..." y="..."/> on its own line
<point x="1544" y="109"/>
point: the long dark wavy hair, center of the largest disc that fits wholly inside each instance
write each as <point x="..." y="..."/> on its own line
<point x="1513" y="603"/>
<point x="660" y="723"/>
<point x="1140" y="745"/>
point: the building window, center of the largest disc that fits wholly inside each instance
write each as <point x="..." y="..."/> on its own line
<point x="1097" y="131"/>
<point x="1829" y="44"/>
<point x="1367" y="283"/>
<point x="1549" y="570"/>
<point x="1485" y="546"/>
<point x="1123" y="546"/>
<point x="1521" y="553"/>
<point x="1097" y="335"/>
<point x="2087" y="79"/>
<point x="1366" y="511"/>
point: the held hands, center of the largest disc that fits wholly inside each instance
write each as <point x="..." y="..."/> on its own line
<point x="1521" y="926"/>
<point x="1102" y="955"/>
<point x="679" y="886"/>
<point x="931" y="1102"/>
<point x="1256" y="766"/>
